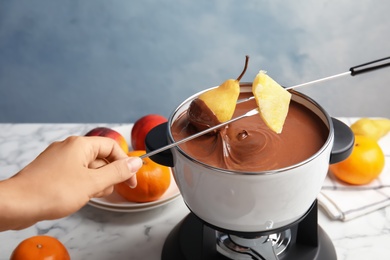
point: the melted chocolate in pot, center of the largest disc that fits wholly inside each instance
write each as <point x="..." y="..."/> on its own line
<point x="249" y="145"/>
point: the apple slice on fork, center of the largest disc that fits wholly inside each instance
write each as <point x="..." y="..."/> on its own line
<point x="272" y="99"/>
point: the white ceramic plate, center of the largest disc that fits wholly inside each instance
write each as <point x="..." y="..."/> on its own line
<point x="129" y="210"/>
<point x="115" y="202"/>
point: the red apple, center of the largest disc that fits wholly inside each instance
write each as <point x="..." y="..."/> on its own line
<point x="142" y="127"/>
<point x="110" y="133"/>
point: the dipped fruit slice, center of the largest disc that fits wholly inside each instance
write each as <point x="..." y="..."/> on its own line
<point x="273" y="101"/>
<point x="216" y="105"/>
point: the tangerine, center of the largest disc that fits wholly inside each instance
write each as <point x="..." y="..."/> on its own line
<point x="365" y="163"/>
<point x="39" y="248"/>
<point x="153" y="180"/>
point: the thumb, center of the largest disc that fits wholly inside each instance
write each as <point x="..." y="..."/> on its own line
<point x="118" y="171"/>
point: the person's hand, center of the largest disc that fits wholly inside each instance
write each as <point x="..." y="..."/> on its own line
<point x="64" y="177"/>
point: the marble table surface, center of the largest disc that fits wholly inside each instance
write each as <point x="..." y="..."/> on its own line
<point x="94" y="233"/>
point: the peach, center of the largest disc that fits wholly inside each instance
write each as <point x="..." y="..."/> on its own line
<point x="110" y="133"/>
<point x="142" y="127"/>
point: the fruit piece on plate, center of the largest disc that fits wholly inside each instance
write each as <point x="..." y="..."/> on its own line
<point x="374" y="128"/>
<point x="142" y="127"/>
<point x="272" y="99"/>
<point x="40" y="247"/>
<point x="110" y="133"/>
<point x="153" y="180"/>
<point x="365" y="163"/>
<point x="216" y="105"/>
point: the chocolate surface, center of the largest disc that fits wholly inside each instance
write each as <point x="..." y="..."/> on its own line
<point x="249" y="145"/>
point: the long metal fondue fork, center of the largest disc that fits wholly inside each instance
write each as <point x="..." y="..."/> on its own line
<point x="359" y="69"/>
<point x="353" y="71"/>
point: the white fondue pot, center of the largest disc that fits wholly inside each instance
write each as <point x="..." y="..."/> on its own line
<point x="256" y="201"/>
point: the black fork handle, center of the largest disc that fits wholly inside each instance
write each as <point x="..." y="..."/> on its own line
<point x="369" y="66"/>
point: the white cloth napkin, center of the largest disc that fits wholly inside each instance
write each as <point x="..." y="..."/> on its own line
<point x="345" y="202"/>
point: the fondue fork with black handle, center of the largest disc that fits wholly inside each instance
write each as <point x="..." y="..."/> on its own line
<point x="353" y="71"/>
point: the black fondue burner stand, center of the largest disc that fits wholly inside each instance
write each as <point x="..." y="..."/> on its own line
<point x="193" y="239"/>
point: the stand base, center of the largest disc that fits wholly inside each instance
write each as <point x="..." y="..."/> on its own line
<point x="192" y="240"/>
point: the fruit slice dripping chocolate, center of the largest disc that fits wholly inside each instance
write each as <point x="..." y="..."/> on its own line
<point x="217" y="105"/>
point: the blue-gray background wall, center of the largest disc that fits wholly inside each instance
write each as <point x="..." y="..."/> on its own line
<point x="114" y="61"/>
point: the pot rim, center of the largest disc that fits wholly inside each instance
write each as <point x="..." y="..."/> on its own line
<point x="329" y="140"/>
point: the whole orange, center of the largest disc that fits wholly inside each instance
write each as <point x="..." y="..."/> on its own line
<point x="365" y="163"/>
<point x="40" y="248"/>
<point x="152" y="181"/>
